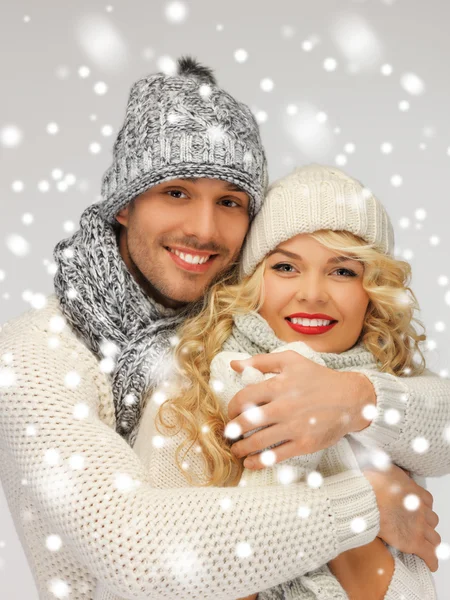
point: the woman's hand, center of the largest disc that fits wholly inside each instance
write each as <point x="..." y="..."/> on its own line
<point x="364" y="572"/>
<point x="411" y="531"/>
<point x="309" y="407"/>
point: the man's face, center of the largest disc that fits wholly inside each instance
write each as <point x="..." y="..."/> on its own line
<point x="179" y="235"/>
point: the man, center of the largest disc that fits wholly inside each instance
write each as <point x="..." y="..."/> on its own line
<point x="188" y="175"/>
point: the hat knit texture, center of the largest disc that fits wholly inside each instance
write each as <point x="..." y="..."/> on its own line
<point x="184" y="126"/>
<point x="312" y="198"/>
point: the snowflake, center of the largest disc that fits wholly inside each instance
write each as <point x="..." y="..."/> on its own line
<point x="53" y="543"/>
<point x="412" y="84"/>
<point x="176" y="12"/>
<point x="167" y="65"/>
<point x="10" y="136"/>
<point x="330" y="64"/>
<point x="18" y="245"/>
<point x="232" y="431"/>
<point x="285" y="474"/>
<point x="241" y="55"/>
<point x="243" y="550"/>
<point x="81" y="411"/>
<point x="357" y="42"/>
<point x="314" y="479"/>
<point x="420" y="445"/>
<point x="386" y="70"/>
<point x="370" y="412"/>
<point x="411" y="502"/>
<point x="100" y="88"/>
<point x="254" y="415"/>
<point x="72" y="380"/>
<point x="7" y="377"/>
<point x="52" y="128"/>
<point x="51" y="457"/>
<point x="76" y="462"/>
<point x="303" y="512"/>
<point x="27" y="218"/>
<point x="358" y="525"/>
<point x="101" y="41"/>
<point x="17" y="186"/>
<point x="225" y="503"/>
<point x="59" y="588"/>
<point x="267" y="84"/>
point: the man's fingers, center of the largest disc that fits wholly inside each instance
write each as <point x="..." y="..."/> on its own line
<point x="432" y="518"/>
<point x="252" y="395"/>
<point x="268" y="363"/>
<point x="278" y="454"/>
<point x="433" y="537"/>
<point x="428" y="554"/>
<point x="257" y="441"/>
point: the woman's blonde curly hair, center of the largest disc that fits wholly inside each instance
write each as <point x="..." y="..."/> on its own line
<point x="388" y="333"/>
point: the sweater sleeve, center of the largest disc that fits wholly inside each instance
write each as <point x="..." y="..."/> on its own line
<point x="143" y="542"/>
<point x="411" y="408"/>
<point x="412" y="580"/>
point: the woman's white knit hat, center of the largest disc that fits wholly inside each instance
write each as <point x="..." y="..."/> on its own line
<point x="312" y="198"/>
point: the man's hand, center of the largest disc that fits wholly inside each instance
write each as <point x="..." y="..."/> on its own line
<point x="307" y="406"/>
<point x="411" y="531"/>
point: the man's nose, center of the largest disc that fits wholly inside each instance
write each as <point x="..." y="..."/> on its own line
<point x="200" y="221"/>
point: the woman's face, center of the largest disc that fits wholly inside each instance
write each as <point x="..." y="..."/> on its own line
<point x="303" y="279"/>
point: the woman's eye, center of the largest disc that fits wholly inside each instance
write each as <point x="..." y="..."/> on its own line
<point x="348" y="272"/>
<point x="283" y="268"/>
<point x="176" y="193"/>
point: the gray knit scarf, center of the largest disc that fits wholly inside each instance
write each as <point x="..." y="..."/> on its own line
<point x="252" y="334"/>
<point x="103" y="303"/>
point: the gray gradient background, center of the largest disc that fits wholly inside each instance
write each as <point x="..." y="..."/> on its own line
<point x="40" y="58"/>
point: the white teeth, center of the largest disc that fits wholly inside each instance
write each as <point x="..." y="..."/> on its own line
<point x="193" y="259"/>
<point x="310" y="322"/>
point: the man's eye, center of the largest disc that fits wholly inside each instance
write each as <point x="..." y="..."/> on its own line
<point x="176" y="193"/>
<point x="230" y="202"/>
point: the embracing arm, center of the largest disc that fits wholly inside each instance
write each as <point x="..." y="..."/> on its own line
<point x="377" y="572"/>
<point x="423" y="411"/>
<point x="128" y="533"/>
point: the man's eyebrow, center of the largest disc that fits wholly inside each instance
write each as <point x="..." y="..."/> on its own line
<point x="232" y="187"/>
<point x="332" y="260"/>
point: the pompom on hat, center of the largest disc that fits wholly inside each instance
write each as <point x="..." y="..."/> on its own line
<point x="184" y="126"/>
<point x="312" y="198"/>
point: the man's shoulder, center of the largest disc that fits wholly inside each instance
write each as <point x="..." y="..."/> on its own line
<point x="40" y="325"/>
<point x="35" y="319"/>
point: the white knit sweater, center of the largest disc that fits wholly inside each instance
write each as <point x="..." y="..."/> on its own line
<point x="130" y="529"/>
<point x="412" y="580"/>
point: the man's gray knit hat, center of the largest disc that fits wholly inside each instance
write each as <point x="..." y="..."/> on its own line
<point x="182" y="126"/>
<point x="312" y="198"/>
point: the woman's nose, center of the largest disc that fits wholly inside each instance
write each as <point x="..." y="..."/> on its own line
<point x="312" y="288"/>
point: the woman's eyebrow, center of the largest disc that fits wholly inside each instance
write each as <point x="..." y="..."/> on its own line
<point x="332" y="260"/>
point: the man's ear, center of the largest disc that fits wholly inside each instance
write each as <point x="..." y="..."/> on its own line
<point x="122" y="216"/>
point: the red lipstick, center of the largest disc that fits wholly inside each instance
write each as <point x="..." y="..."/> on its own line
<point x="307" y="329"/>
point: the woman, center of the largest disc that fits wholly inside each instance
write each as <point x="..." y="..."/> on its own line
<point x="295" y="266"/>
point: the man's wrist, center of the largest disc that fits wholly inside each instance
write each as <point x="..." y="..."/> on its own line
<point x="363" y="394"/>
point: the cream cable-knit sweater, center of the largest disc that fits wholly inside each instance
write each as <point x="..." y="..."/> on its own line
<point x="132" y="530"/>
<point x="412" y="580"/>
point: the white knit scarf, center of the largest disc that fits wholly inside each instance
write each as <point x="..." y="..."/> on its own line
<point x="251" y="333"/>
